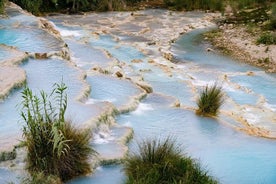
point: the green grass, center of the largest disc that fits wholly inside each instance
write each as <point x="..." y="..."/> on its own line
<point x="162" y="162"/>
<point x="54" y="146"/>
<point x="210" y="100"/>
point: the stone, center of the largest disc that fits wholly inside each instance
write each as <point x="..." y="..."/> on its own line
<point x="168" y="56"/>
<point x="119" y="74"/>
<point x="136" y="61"/>
<point x="41" y="55"/>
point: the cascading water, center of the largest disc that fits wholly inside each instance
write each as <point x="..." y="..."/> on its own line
<point x="115" y="55"/>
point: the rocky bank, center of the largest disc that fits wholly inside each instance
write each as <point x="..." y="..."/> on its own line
<point x="239" y="42"/>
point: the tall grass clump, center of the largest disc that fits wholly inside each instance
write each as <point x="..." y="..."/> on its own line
<point x="54" y="146"/>
<point x="162" y="162"/>
<point x="210" y="100"/>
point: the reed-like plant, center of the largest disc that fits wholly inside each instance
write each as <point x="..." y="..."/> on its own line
<point x="210" y="100"/>
<point x="159" y="162"/>
<point x="54" y="146"/>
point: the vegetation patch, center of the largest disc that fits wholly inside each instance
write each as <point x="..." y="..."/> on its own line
<point x="215" y="5"/>
<point x="267" y="39"/>
<point x="2" y="2"/>
<point x="54" y="146"/>
<point x="4" y="156"/>
<point x="41" y="178"/>
<point x="210" y="100"/>
<point x="273" y="16"/>
<point x="163" y="162"/>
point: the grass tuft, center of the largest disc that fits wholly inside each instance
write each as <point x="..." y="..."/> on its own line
<point x="210" y="100"/>
<point x="54" y="146"/>
<point x="159" y="162"/>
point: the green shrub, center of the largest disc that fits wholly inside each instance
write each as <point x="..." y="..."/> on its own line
<point x="32" y="6"/>
<point x="210" y="100"/>
<point x="267" y="38"/>
<point x="54" y="146"/>
<point x="196" y="4"/>
<point x="162" y="162"/>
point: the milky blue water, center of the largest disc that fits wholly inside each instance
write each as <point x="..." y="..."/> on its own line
<point x="7" y="176"/>
<point x="106" y="88"/>
<point x="229" y="155"/>
<point x="121" y="52"/>
<point x="29" y="39"/>
<point x="40" y="76"/>
<point x="104" y="175"/>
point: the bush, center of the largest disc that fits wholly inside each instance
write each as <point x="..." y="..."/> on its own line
<point x="196" y="4"/>
<point x="267" y="39"/>
<point x="32" y="6"/>
<point x="54" y="146"/>
<point x="210" y="100"/>
<point x="162" y="162"/>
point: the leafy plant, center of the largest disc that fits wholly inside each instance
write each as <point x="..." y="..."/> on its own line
<point x="54" y="146"/>
<point x="210" y="100"/>
<point x="162" y="162"/>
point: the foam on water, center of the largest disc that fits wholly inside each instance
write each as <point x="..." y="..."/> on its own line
<point x="66" y="33"/>
<point x="102" y="138"/>
<point x="142" y="108"/>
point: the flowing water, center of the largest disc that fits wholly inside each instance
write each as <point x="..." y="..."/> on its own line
<point x="231" y="147"/>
